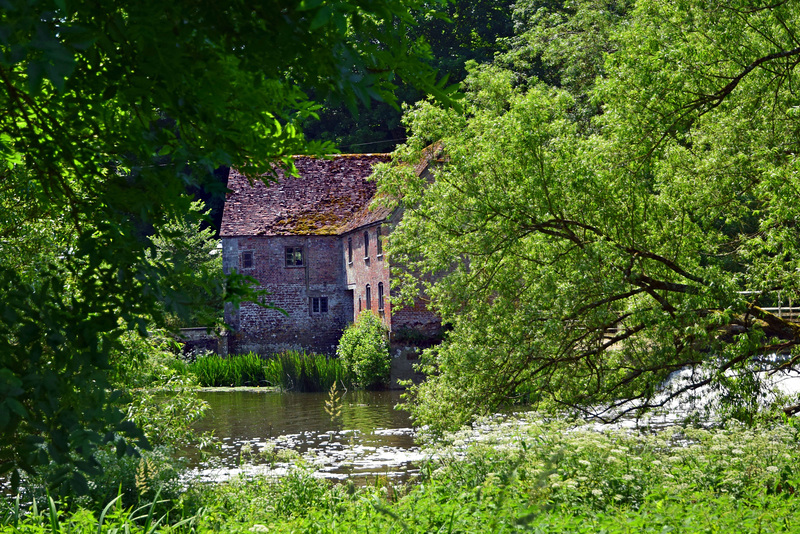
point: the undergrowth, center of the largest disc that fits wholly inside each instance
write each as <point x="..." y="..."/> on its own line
<point x="290" y="371"/>
<point x="522" y="475"/>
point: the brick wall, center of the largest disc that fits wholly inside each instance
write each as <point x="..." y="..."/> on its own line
<point x="367" y="268"/>
<point x="291" y="289"/>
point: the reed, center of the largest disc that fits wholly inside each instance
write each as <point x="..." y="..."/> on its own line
<point x="235" y="370"/>
<point x="298" y="371"/>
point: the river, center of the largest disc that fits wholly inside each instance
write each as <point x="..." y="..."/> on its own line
<point x="260" y="431"/>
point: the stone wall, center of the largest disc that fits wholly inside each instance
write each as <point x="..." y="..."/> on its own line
<point x="295" y="324"/>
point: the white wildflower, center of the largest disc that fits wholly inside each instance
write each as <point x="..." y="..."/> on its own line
<point x="773" y="469"/>
<point x="597" y="492"/>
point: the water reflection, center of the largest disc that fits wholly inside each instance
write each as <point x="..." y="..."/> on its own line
<point x="256" y="428"/>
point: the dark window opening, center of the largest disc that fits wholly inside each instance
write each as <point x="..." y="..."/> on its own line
<point x="378" y="242"/>
<point x="366" y="246"/>
<point x="319" y="305"/>
<point x="247" y="259"/>
<point x="368" y="298"/>
<point x="294" y="256"/>
<point x="349" y="250"/>
<point x="380" y="296"/>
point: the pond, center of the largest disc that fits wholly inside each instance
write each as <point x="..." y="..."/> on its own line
<point x="256" y="428"/>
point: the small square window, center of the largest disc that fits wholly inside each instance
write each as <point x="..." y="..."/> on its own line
<point x="319" y="305"/>
<point x="294" y="256"/>
<point x="247" y="259"/>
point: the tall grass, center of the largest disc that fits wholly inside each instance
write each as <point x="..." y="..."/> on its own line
<point x="235" y="370"/>
<point x="291" y="370"/>
<point x="298" y="371"/>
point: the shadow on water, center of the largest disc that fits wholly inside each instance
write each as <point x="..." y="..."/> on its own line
<point x="256" y="429"/>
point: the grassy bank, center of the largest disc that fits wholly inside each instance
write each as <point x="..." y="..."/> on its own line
<point x="292" y="370"/>
<point x="524" y="476"/>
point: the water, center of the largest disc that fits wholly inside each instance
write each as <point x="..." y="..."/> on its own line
<point x="260" y="432"/>
<point x="371" y="439"/>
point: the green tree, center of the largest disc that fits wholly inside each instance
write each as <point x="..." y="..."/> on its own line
<point x="195" y="276"/>
<point x="457" y="32"/>
<point x="109" y="110"/>
<point x="583" y="266"/>
<point x="364" y="351"/>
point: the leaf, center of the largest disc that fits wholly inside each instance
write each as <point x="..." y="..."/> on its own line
<point x="322" y="17"/>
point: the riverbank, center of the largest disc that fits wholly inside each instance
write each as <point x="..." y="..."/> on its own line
<point x="522" y="475"/>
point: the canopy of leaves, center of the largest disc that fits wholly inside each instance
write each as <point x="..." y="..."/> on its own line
<point x="457" y="32"/>
<point x="109" y="111"/>
<point x="582" y="263"/>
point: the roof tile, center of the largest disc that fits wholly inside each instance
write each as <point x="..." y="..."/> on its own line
<point x="330" y="197"/>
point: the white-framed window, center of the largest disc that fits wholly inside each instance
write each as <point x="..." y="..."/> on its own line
<point x="380" y="296"/>
<point x="378" y="242"/>
<point x="366" y="246"/>
<point x="368" y="298"/>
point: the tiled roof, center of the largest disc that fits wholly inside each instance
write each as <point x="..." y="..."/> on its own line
<point x="328" y="197"/>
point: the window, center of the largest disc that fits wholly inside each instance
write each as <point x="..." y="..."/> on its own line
<point x="294" y="256"/>
<point x="318" y="305"/>
<point x="380" y="296"/>
<point x="349" y="250"/>
<point x="368" y="298"/>
<point x="378" y="242"/>
<point x="247" y="259"/>
<point x="366" y="246"/>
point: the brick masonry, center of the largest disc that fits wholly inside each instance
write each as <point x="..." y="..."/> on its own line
<point x="261" y="222"/>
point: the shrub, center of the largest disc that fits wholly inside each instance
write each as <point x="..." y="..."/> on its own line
<point x="364" y="351"/>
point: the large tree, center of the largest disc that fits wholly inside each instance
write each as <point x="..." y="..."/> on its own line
<point x="108" y="110"/>
<point x="582" y="263"/>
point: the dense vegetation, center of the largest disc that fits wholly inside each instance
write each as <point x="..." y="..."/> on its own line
<point x="506" y="475"/>
<point x="614" y="200"/>
<point x="631" y="214"/>
<point x="289" y="371"/>
<point x="109" y="112"/>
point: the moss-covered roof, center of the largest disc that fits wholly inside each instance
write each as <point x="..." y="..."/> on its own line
<point x="330" y="197"/>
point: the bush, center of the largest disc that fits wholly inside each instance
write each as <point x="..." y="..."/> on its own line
<point x="364" y="351"/>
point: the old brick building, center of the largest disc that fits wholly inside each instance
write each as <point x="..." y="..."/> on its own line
<point x="316" y="246"/>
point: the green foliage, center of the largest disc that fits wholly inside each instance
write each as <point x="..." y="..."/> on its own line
<point x="587" y="256"/>
<point x="109" y="114"/>
<point x="234" y="370"/>
<point x="460" y="31"/>
<point x="520" y="475"/>
<point x="290" y="370"/>
<point x="113" y="518"/>
<point x="364" y="351"/>
<point x="195" y="283"/>
<point x="298" y="371"/>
